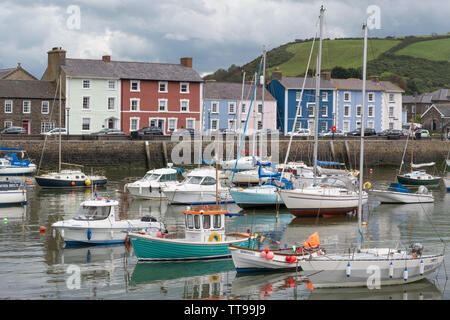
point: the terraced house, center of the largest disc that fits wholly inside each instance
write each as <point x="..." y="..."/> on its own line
<point x="224" y="109"/>
<point x="126" y="95"/>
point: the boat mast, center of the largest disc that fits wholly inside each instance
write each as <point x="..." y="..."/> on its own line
<point x="59" y="159"/>
<point x="412" y="144"/>
<point x="361" y="156"/>
<point x="239" y="111"/>
<point x="317" y="106"/>
<point x="262" y="82"/>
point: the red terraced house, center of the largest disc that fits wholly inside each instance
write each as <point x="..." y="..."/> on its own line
<point x="168" y="96"/>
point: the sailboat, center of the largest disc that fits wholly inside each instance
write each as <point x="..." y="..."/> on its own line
<point x="371" y="267"/>
<point x="447" y="177"/>
<point x="417" y="177"/>
<point x="318" y="199"/>
<point x="67" y="178"/>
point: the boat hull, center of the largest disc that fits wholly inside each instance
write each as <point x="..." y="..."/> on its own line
<point x="447" y="183"/>
<point x="313" y="205"/>
<point x="261" y="197"/>
<point x="368" y="272"/>
<point x="64" y="183"/>
<point x="147" y="248"/>
<point x="186" y="197"/>
<point x="145" y="192"/>
<point x="17" y="171"/>
<point x="13" y="197"/>
<point x="401" y="197"/>
<point x="418" y="182"/>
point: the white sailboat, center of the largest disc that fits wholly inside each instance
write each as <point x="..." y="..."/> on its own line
<point x="317" y="199"/>
<point x="371" y="267"/>
<point x="447" y="177"/>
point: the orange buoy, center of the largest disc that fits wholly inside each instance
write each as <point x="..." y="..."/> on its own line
<point x="42" y="229"/>
<point x="73" y="183"/>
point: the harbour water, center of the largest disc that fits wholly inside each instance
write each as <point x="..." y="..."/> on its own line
<point x="36" y="265"/>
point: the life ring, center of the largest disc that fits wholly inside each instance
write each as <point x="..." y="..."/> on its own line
<point x="214" y="236"/>
<point x="87" y="182"/>
<point x="367" y="185"/>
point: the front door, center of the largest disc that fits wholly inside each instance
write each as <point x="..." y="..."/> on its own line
<point x="111" y="124"/>
<point x="26" y="126"/>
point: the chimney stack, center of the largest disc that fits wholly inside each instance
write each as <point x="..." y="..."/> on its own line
<point x="276" y="74"/>
<point x="326" y="75"/>
<point x="106" y="59"/>
<point x="56" y="59"/>
<point x="187" y="62"/>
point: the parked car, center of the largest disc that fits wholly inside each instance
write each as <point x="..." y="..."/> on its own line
<point x="329" y="133"/>
<point x="395" y="134"/>
<point x="192" y="132"/>
<point x="146" y="132"/>
<point x="55" y="131"/>
<point x="367" y="132"/>
<point x="424" y="133"/>
<point x="300" y="133"/>
<point x="108" y="132"/>
<point x="14" y="130"/>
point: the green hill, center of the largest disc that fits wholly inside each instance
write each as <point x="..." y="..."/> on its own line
<point x="417" y="64"/>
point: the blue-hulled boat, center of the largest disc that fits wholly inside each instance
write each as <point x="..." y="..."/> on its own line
<point x="447" y="178"/>
<point x="205" y="238"/>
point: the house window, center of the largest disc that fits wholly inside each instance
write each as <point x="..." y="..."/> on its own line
<point x="346" y="96"/>
<point x="47" y="126"/>
<point x="162" y="104"/>
<point x="184" y="87"/>
<point x="172" y="124"/>
<point x="214" y="124"/>
<point x="260" y="126"/>
<point x="260" y="108"/>
<point x="391" y="125"/>
<point x="242" y="107"/>
<point x="347" y="110"/>
<point x="86" y="84"/>
<point x="311" y="125"/>
<point x="371" y="97"/>
<point x="8" y="106"/>
<point x="391" y="97"/>
<point x="112" y="84"/>
<point x="134" y="124"/>
<point x="111" y="103"/>
<point x="86" y="103"/>
<point x="162" y="86"/>
<point x="370" y="111"/>
<point x="298" y="126"/>
<point x="7" y="123"/>
<point x="324" y="126"/>
<point x="324" y="111"/>
<point x="324" y="96"/>
<point x="358" y="111"/>
<point x="370" y="124"/>
<point x="358" y="124"/>
<point x="135" y="85"/>
<point x="346" y="126"/>
<point x="26" y="107"/>
<point x="190" y="123"/>
<point x="297" y="96"/>
<point x="184" y="105"/>
<point x="232" y="124"/>
<point x="45" y="108"/>
<point x="215" y="107"/>
<point x="231" y="108"/>
<point x="311" y="110"/>
<point x="299" y="111"/>
<point x="243" y="124"/>
<point x="134" y="104"/>
<point x="391" y="111"/>
<point x="86" y="124"/>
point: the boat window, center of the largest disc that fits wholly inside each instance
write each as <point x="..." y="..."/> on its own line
<point x="82" y="177"/>
<point x="151" y="176"/>
<point x="197" y="222"/>
<point x="193" y="180"/>
<point x="92" y="213"/>
<point x="58" y="177"/>
<point x="77" y="177"/>
<point x="168" y="177"/>
<point x="207" y="181"/>
<point x="189" y="221"/>
<point x="217" y="221"/>
<point x="206" y="222"/>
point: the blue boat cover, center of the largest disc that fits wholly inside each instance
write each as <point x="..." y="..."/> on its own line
<point x="12" y="157"/>
<point x="398" y="187"/>
<point x="328" y="163"/>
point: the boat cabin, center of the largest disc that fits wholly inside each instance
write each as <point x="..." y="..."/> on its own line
<point x="161" y="175"/>
<point x="205" y="224"/>
<point x="93" y="210"/>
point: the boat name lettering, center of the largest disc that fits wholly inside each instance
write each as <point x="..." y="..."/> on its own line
<point x="247" y="252"/>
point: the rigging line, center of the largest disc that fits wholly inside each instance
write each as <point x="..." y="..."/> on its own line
<point x="246" y="122"/>
<point x="50" y="117"/>
<point x="298" y="107"/>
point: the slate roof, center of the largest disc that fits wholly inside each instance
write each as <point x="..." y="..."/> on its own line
<point x="5" y="72"/>
<point x="443" y="108"/>
<point x="297" y="83"/>
<point x="440" y="95"/>
<point x="356" y="84"/>
<point x="130" y="70"/>
<point x="233" y="90"/>
<point x="27" y="89"/>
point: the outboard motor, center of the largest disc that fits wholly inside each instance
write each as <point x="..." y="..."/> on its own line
<point x="416" y="248"/>
<point x="422" y="190"/>
<point x="148" y="219"/>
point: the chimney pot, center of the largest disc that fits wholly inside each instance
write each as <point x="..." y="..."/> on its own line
<point x="106" y="58"/>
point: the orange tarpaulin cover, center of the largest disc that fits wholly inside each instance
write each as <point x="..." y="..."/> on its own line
<point x="312" y="242"/>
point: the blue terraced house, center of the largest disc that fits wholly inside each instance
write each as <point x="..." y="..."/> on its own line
<point x="287" y="91"/>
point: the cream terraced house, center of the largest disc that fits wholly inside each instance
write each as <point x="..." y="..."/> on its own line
<point x="92" y="92"/>
<point x="392" y="106"/>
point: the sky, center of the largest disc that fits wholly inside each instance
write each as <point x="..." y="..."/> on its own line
<point x="215" y="33"/>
